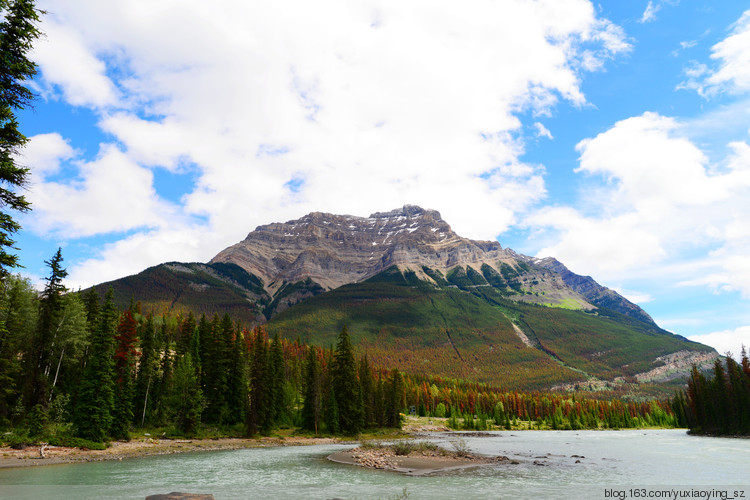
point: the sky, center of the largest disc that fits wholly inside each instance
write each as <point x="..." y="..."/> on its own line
<point x="611" y="135"/>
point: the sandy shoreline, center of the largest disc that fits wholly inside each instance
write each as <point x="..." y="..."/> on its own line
<point x="143" y="447"/>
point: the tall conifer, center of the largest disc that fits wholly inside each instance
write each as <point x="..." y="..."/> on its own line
<point x="126" y="338"/>
<point x="346" y="386"/>
<point x="93" y="412"/>
<point x="311" y="406"/>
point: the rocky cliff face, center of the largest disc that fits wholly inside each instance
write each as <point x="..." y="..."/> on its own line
<point x="327" y="251"/>
<point x="334" y="250"/>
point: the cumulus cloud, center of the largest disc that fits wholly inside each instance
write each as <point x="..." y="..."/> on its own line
<point x="67" y="63"/>
<point x="44" y="153"/>
<point x="114" y="194"/>
<point x="287" y="107"/>
<point x="661" y="198"/>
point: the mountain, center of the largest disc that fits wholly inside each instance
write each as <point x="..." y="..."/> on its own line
<point x="417" y="295"/>
<point x="335" y="250"/>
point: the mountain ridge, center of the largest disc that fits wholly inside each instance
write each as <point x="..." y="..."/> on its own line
<point x="417" y="296"/>
<point x="333" y="250"/>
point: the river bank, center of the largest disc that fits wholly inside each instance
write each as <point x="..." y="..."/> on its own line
<point x="147" y="446"/>
<point x="119" y="450"/>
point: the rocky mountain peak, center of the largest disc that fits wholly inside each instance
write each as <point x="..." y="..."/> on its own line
<point x="328" y="250"/>
<point x="335" y="249"/>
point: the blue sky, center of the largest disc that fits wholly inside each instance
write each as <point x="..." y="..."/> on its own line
<point x="611" y="135"/>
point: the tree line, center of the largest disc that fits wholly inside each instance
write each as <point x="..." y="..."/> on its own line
<point x="73" y="361"/>
<point x="718" y="404"/>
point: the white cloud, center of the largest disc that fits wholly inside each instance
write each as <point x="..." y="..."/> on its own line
<point x="114" y="194"/>
<point x="542" y="131"/>
<point x="44" y="153"/>
<point x="142" y="250"/>
<point x="66" y="62"/>
<point x="364" y="108"/>
<point x="726" y="340"/>
<point x="733" y="57"/>
<point x="650" y="13"/>
<point x="634" y="296"/>
<point x="662" y="199"/>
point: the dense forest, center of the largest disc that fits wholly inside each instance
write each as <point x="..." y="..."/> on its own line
<point x="719" y="405"/>
<point x="73" y="367"/>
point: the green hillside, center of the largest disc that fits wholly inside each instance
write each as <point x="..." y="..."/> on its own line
<point x="468" y="333"/>
<point x="202" y="288"/>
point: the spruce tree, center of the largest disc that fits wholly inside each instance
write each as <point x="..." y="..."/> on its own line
<point x="147" y="371"/>
<point x="39" y="362"/>
<point x="346" y="386"/>
<point x="93" y="412"/>
<point x="187" y="397"/>
<point x="277" y="382"/>
<point x="258" y="419"/>
<point x="238" y="386"/>
<point x="395" y="402"/>
<point x="18" y="31"/>
<point x="311" y="406"/>
<point x="162" y="394"/>
<point x="368" y="391"/>
<point x="126" y="338"/>
<point x="18" y="320"/>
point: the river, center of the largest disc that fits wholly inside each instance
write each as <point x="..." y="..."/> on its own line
<point x="569" y="464"/>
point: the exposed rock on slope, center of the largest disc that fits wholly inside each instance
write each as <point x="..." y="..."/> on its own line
<point x="334" y="250"/>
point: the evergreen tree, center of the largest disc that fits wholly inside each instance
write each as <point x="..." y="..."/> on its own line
<point x="39" y="362"/>
<point x="368" y="391"/>
<point x="332" y="417"/>
<point x="395" y="402"/>
<point x="185" y="335"/>
<point x="125" y="353"/>
<point x="346" y="386"/>
<point x="147" y="370"/>
<point x="18" y="31"/>
<point x="165" y="382"/>
<point x="70" y="345"/>
<point x="238" y="387"/>
<point x="311" y="406"/>
<point x="18" y="320"/>
<point x="187" y="397"/>
<point x="277" y="382"/>
<point x="259" y="412"/>
<point x="93" y="412"/>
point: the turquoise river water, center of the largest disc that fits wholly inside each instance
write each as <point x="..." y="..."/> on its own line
<point x="612" y="464"/>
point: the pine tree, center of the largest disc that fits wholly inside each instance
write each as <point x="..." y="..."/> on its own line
<point x="164" y="391"/>
<point x="39" y="362"/>
<point x="258" y="419"/>
<point x="18" y="320"/>
<point x="187" y="397"/>
<point x="368" y="391"/>
<point x="185" y="336"/>
<point x="93" y="412"/>
<point x="205" y="353"/>
<point x="395" y="400"/>
<point x="18" y="31"/>
<point x="147" y="370"/>
<point x="238" y="383"/>
<point x="125" y="341"/>
<point x="277" y="382"/>
<point x="346" y="386"/>
<point x="311" y="406"/>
